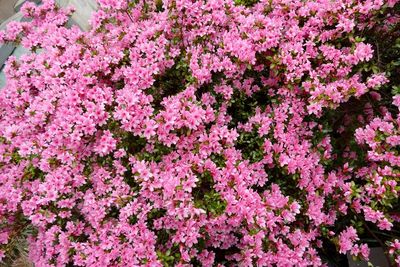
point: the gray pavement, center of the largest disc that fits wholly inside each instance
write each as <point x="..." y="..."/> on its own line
<point x="6" y="9"/>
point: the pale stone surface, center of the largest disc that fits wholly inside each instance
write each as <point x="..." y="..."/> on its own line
<point x="2" y="78"/>
<point x="17" y="16"/>
<point x="6" y="9"/>
<point x="19" y="4"/>
<point x="17" y="52"/>
<point x="7" y="49"/>
<point x="5" y="52"/>
<point x="83" y="13"/>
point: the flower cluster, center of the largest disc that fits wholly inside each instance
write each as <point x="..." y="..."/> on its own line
<point x="192" y="133"/>
<point x="395" y="249"/>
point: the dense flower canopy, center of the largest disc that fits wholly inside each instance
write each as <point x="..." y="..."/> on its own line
<point x="201" y="133"/>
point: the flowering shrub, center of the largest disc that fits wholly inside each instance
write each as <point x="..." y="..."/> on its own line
<point x="200" y="133"/>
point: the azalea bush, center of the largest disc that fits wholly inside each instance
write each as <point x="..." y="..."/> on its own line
<point x="202" y="133"/>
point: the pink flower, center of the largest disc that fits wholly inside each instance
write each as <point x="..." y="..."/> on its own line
<point x="347" y="239"/>
<point x="105" y="144"/>
<point x="195" y="132"/>
<point x="363" y="52"/>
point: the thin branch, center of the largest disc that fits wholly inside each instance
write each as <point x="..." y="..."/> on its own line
<point x="129" y="15"/>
